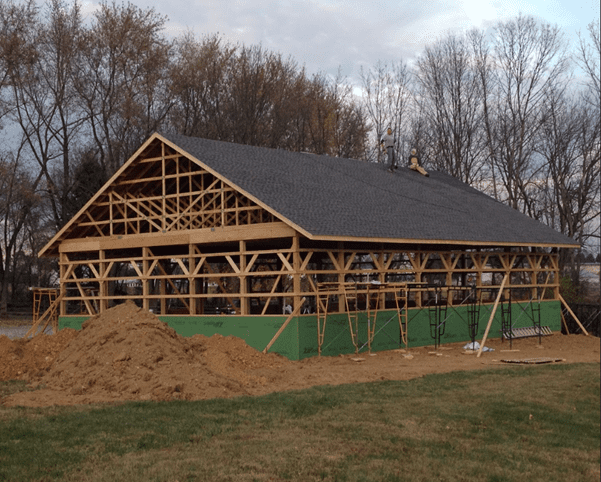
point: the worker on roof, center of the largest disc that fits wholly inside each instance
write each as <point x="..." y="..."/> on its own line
<point x="415" y="164"/>
<point x="387" y="142"/>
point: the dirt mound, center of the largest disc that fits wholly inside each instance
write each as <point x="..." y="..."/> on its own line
<point x="129" y="354"/>
<point x="26" y="358"/>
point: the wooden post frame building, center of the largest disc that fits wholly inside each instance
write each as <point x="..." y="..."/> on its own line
<point x="215" y="237"/>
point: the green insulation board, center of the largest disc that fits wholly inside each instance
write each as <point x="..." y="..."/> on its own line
<point x="299" y="339"/>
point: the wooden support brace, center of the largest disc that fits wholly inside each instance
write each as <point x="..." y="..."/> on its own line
<point x="283" y="327"/>
<point x="565" y="324"/>
<point x="573" y="315"/>
<point x="492" y="315"/>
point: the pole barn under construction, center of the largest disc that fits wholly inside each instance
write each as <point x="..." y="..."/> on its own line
<point x="342" y="254"/>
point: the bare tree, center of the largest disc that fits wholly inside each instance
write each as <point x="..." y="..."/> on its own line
<point x="450" y="95"/>
<point x="43" y="100"/>
<point x="253" y="96"/>
<point x="386" y="102"/>
<point x="348" y="127"/>
<point x="17" y="199"/>
<point x="529" y="60"/>
<point x="122" y="81"/>
<point x="198" y="80"/>
<point x="569" y="144"/>
<point x="589" y="53"/>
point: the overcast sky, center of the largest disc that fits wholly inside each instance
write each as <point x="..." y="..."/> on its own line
<point x="324" y="35"/>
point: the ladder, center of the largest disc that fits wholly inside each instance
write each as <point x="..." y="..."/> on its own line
<point x="437" y="311"/>
<point x="400" y="298"/>
<point x="372" y="313"/>
<point x="351" y="297"/>
<point x="506" y="319"/>
<point x="473" y="313"/>
<point x="323" y="298"/>
<point x="49" y="316"/>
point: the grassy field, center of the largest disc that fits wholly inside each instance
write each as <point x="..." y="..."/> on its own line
<point x="535" y="423"/>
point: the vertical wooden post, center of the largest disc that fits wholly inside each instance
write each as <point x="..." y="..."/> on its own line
<point x="478" y="271"/>
<point x="244" y="301"/>
<point x="296" y="276"/>
<point x="418" y="278"/>
<point x="534" y="264"/>
<point x="449" y="276"/>
<point x="341" y="277"/>
<point x="102" y="282"/>
<point x="63" y="283"/>
<point x="111" y="213"/>
<point x="381" y="279"/>
<point x="555" y="261"/>
<point x="163" y="284"/>
<point x="163" y="189"/>
<point x="193" y="302"/>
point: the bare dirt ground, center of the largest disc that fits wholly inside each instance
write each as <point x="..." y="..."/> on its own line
<point x="129" y="354"/>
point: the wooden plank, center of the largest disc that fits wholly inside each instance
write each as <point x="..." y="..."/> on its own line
<point x="492" y="315"/>
<point x="183" y="266"/>
<point x="244" y="300"/>
<point x="232" y="264"/>
<point x="194" y="236"/>
<point x="285" y="262"/>
<point x="179" y="294"/>
<point x="275" y="285"/>
<point x="296" y="276"/>
<point x="284" y="325"/>
<point x="251" y="263"/>
<point x="334" y="261"/>
<point x="573" y="315"/>
<point x="351" y="258"/>
<point x="535" y="361"/>
<point x="376" y="260"/>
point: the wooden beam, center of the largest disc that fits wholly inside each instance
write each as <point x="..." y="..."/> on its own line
<point x="244" y="301"/>
<point x="197" y="236"/>
<point x="573" y="315"/>
<point x="284" y="325"/>
<point x="492" y="315"/>
<point x="296" y="276"/>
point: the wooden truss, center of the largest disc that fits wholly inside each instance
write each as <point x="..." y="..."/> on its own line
<point x="164" y="193"/>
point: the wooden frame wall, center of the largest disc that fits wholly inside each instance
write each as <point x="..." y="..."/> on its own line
<point x="179" y="239"/>
<point x="265" y="276"/>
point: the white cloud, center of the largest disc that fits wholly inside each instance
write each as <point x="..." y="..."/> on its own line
<point x="326" y="34"/>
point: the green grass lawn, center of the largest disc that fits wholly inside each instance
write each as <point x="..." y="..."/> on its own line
<point x="534" y="423"/>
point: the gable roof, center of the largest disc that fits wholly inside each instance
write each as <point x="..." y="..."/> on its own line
<point x="336" y="198"/>
<point x="326" y="198"/>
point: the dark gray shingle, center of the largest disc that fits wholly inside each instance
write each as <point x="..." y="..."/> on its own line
<point x="329" y="196"/>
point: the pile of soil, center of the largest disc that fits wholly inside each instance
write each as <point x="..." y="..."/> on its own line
<point x="129" y="354"/>
<point x="24" y="359"/>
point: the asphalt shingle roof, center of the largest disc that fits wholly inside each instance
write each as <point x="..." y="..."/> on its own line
<point x="328" y="196"/>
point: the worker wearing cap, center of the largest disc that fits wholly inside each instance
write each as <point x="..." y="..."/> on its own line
<point x="388" y="143"/>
